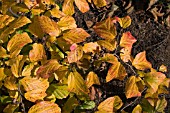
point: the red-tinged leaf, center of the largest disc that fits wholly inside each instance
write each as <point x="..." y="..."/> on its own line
<point x="10" y="83"/>
<point x="17" y="42"/>
<point x="82" y="5"/>
<point x="17" y="23"/>
<point x="108" y="45"/>
<point x="68" y="7"/>
<point x="100" y="3"/>
<point x="131" y="89"/>
<point x="110" y="105"/>
<point x="67" y="22"/>
<point x="161" y="105"/>
<point x="5" y="20"/>
<point x="106" y="29"/>
<point x="140" y="61"/>
<point x="163" y="68"/>
<point x="153" y="79"/>
<point x="45" y="107"/>
<point x="35" y="95"/>
<point x="37" y="53"/>
<point x="76" y="83"/>
<point x="90" y="47"/>
<point x="75" y="55"/>
<point x="116" y="71"/>
<point x="3" y="52"/>
<point x="91" y="79"/>
<point x="125" y="21"/>
<point x="126" y="42"/>
<point x="46" y="70"/>
<point x="137" y="109"/>
<point x="75" y="35"/>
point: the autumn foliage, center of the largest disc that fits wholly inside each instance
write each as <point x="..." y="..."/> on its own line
<point x="43" y="54"/>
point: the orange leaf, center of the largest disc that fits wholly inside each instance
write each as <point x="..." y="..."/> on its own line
<point x="131" y="89"/>
<point x="75" y="35"/>
<point x="75" y="55"/>
<point x="125" y="21"/>
<point x="140" y="61"/>
<point x="110" y="105"/>
<point x="68" y="7"/>
<point x="90" y="47"/>
<point x="91" y="79"/>
<point x="82" y="5"/>
<point x="35" y="95"/>
<point x="116" y="71"/>
<point x="37" y="53"/>
<point x="45" y="107"/>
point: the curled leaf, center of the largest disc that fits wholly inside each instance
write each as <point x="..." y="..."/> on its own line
<point x="124" y="22"/>
<point x="91" y="79"/>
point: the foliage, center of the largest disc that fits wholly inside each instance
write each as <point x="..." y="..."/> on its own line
<point x="42" y="59"/>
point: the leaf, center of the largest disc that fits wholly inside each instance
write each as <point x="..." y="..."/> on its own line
<point x="100" y="3"/>
<point x="67" y="22"/>
<point x="110" y="58"/>
<point x="161" y="105"/>
<point x="153" y="80"/>
<point x="10" y="108"/>
<point x="45" y="107"/>
<point x="110" y="105"/>
<point x="60" y="91"/>
<point x="46" y="70"/>
<point x="37" y="53"/>
<point x="75" y="55"/>
<point x="108" y="45"/>
<point x="124" y="22"/>
<point x="75" y="35"/>
<point x="116" y="71"/>
<point x="90" y="47"/>
<point x="2" y="74"/>
<point x="87" y="105"/>
<point x="106" y="29"/>
<point x="55" y="12"/>
<point x="140" y="61"/>
<point x="146" y="106"/>
<point x="126" y="42"/>
<point x="17" y="42"/>
<point x="10" y="83"/>
<point x="3" y="53"/>
<point x="30" y="4"/>
<point x="68" y="7"/>
<point x="5" y="20"/>
<point x="17" y="23"/>
<point x="6" y="4"/>
<point x="137" y="109"/>
<point x="27" y="70"/>
<point x="163" y="68"/>
<point x="131" y="89"/>
<point x="82" y="5"/>
<point x="91" y="79"/>
<point x="76" y="83"/>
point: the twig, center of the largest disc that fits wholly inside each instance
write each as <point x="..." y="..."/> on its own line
<point x="14" y="14"/>
<point x="21" y="101"/>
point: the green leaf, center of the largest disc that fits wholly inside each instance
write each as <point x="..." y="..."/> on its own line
<point x="86" y="105"/>
<point x="5" y="99"/>
<point x="146" y="106"/>
<point x="161" y="105"/>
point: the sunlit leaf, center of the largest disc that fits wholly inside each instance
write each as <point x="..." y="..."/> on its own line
<point x="82" y="5"/>
<point x="116" y="71"/>
<point x="140" y="62"/>
<point x="100" y="3"/>
<point x="5" y="20"/>
<point x="75" y="55"/>
<point x="3" y="53"/>
<point x="110" y="105"/>
<point x="75" y="35"/>
<point x="37" y="53"/>
<point x="126" y="43"/>
<point x="163" y="68"/>
<point x="55" y="12"/>
<point x="76" y="83"/>
<point x="17" y="23"/>
<point x="91" y="79"/>
<point x="11" y="83"/>
<point x="68" y="7"/>
<point x="45" y="107"/>
<point x="67" y="22"/>
<point x="2" y="74"/>
<point x="90" y="47"/>
<point x="17" y="42"/>
<point x="106" y="29"/>
<point x="46" y="70"/>
<point x="27" y="69"/>
<point x="137" y="109"/>
<point x="131" y="89"/>
<point x="108" y="45"/>
<point x="161" y="105"/>
<point x="30" y="3"/>
<point x="125" y="21"/>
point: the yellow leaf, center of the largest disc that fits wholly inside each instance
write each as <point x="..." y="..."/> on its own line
<point x="17" y="23"/>
<point x="163" y="68"/>
<point x="55" y="12"/>
<point x="67" y="22"/>
<point x="37" y="53"/>
<point x="125" y="21"/>
<point x="3" y="53"/>
<point x="131" y="89"/>
<point x="61" y="72"/>
<point x="100" y="3"/>
<point x="45" y="107"/>
<point x="137" y="109"/>
<point x="17" y="42"/>
<point x="110" y="58"/>
<point x="108" y="45"/>
<point x="6" y="4"/>
<point x="5" y="20"/>
<point x="82" y="5"/>
<point x="76" y="83"/>
<point x="75" y="35"/>
<point x="68" y="7"/>
<point x="140" y="61"/>
<point x="75" y="55"/>
<point x="11" y="83"/>
<point x="20" y="8"/>
<point x="30" y="3"/>
<point x="10" y="108"/>
<point x="116" y="71"/>
<point x="91" y="47"/>
<point x="27" y="70"/>
<point x="46" y="70"/>
<point x="91" y="79"/>
<point x="110" y="105"/>
<point x="161" y="105"/>
<point x="2" y="74"/>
